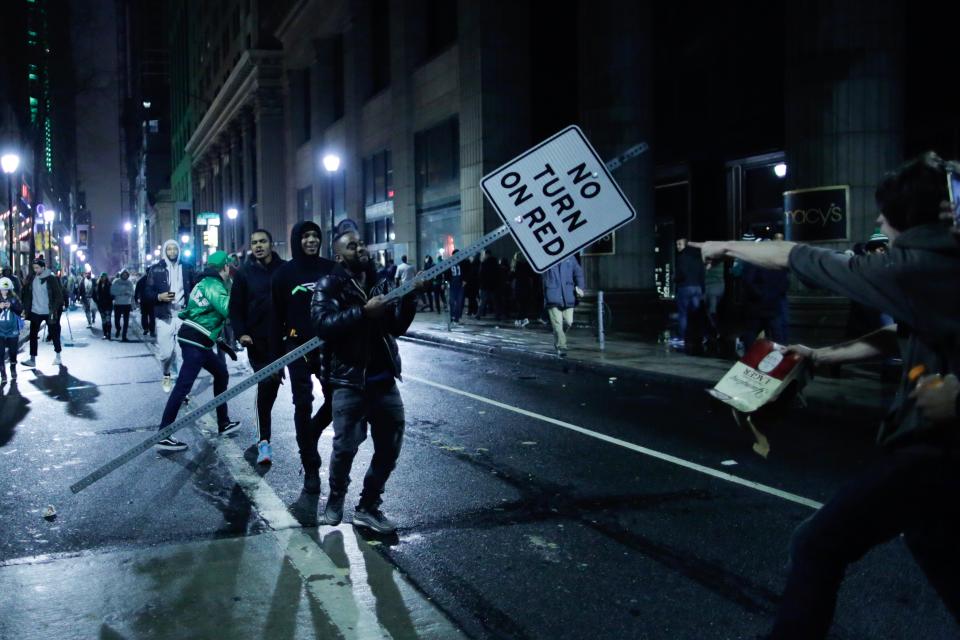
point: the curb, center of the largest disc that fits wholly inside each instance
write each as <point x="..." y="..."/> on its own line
<point x="824" y="409"/>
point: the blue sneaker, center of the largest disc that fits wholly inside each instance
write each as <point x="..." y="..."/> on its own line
<point x="264" y="453"/>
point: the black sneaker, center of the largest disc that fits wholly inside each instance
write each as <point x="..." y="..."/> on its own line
<point x="311" y="482"/>
<point x="228" y="427"/>
<point x="373" y="518"/>
<point x="169" y="444"/>
<point x="333" y="512"/>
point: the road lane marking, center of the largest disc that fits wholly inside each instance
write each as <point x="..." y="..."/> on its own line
<point x="349" y="595"/>
<point x="813" y="504"/>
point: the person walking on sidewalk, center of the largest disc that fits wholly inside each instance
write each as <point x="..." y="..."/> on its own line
<point x="251" y="304"/>
<point x="689" y="279"/>
<point x="203" y="320"/>
<point x="562" y="286"/>
<point x="122" y="291"/>
<point x="169" y="283"/>
<point x="86" y="292"/>
<point x="42" y="303"/>
<point x="490" y="277"/>
<point x="426" y="294"/>
<point x="405" y="272"/>
<point x="456" y="290"/>
<point x="910" y="490"/>
<point x="10" y="310"/>
<point x="471" y="284"/>
<point x="361" y="364"/>
<point x="292" y="288"/>
<point x="104" y="300"/>
<point x="148" y="322"/>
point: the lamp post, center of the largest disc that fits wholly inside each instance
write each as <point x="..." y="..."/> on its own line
<point x="128" y="228"/>
<point x="232" y="213"/>
<point x="10" y="163"/>
<point x="331" y="162"/>
<point x="48" y="217"/>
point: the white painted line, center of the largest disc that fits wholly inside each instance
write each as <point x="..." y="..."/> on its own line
<point x="345" y="593"/>
<point x="629" y="445"/>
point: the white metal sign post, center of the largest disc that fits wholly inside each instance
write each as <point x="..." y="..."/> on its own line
<point x="557" y="198"/>
<point x="586" y="205"/>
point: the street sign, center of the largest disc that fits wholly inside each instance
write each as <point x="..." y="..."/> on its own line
<point x="557" y="198"/>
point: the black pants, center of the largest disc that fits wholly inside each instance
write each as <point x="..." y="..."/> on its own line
<point x="380" y="406"/>
<point x="259" y="355"/>
<point x="121" y="312"/>
<point x="912" y="491"/>
<point x="308" y="427"/>
<point x="53" y="328"/>
<point x="105" y="315"/>
<point x="8" y="346"/>
<point x="439" y="297"/>
<point x="148" y="321"/>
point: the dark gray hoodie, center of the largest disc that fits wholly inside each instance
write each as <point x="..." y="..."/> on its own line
<point x="918" y="283"/>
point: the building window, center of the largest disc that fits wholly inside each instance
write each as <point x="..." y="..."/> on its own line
<point x="439" y="231"/>
<point x="755" y="195"/>
<point x="377" y="178"/>
<point x="305" y="204"/>
<point x="441" y="26"/>
<point x="379" y="45"/>
<point x="437" y="153"/>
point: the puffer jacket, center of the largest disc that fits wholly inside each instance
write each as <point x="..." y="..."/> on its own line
<point x="349" y="337"/>
<point x="9" y="323"/>
<point x="207" y="311"/>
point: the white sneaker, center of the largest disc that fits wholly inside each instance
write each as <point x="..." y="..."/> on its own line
<point x="167" y="384"/>
<point x="56" y="359"/>
<point x="30" y="363"/>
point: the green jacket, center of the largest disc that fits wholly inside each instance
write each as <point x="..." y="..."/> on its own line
<point x="207" y="311"/>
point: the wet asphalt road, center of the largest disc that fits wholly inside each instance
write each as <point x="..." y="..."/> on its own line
<point x="514" y="526"/>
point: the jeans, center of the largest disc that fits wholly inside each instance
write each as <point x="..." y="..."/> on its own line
<point x="308" y="427"/>
<point x="380" y="406"/>
<point x="912" y="491"/>
<point x="267" y="390"/>
<point x="52" y="327"/>
<point x="90" y="310"/>
<point x="456" y="302"/>
<point x="121" y="311"/>
<point x="689" y="299"/>
<point x="713" y="295"/>
<point x="194" y="359"/>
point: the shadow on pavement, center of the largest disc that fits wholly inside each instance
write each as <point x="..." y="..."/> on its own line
<point x="13" y="409"/>
<point x="76" y="393"/>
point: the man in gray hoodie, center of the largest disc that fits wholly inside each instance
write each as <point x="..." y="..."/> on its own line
<point x="912" y="488"/>
<point x="42" y="302"/>
<point x="122" y="292"/>
<point x="169" y="283"/>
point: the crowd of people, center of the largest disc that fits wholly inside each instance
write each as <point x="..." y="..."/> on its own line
<point x="902" y="282"/>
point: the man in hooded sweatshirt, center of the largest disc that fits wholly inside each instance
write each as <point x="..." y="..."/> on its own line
<point x="250" y="308"/>
<point x="169" y="283"/>
<point x="122" y="292"/>
<point x="910" y="489"/>
<point x="42" y="302"/>
<point x="292" y="290"/>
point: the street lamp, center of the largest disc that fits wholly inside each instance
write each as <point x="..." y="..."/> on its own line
<point x="184" y="239"/>
<point x="331" y="162"/>
<point x="780" y="169"/>
<point x="127" y="226"/>
<point x="232" y="213"/>
<point x="10" y="162"/>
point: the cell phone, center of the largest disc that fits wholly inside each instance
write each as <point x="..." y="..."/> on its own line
<point x="953" y="189"/>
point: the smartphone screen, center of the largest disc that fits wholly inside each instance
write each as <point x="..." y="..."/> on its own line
<point x="953" y="188"/>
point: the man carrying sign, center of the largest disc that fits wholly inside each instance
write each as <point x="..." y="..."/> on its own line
<point x="912" y="489"/>
<point x="360" y="365"/>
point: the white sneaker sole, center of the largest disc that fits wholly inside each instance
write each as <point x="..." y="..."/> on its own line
<point x="164" y="447"/>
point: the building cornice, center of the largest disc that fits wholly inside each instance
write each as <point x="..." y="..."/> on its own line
<point x="256" y="70"/>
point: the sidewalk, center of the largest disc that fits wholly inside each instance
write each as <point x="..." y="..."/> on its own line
<point x="624" y="356"/>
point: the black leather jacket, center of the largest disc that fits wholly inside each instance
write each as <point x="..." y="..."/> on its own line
<point x="349" y="337"/>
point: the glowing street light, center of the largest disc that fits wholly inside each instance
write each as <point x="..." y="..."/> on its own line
<point x="184" y="239"/>
<point x="331" y="162"/>
<point x="187" y="253"/>
<point x="67" y="239"/>
<point x="232" y="213"/>
<point x="10" y="162"/>
<point x="156" y="252"/>
<point x="73" y="248"/>
<point x="49" y="216"/>
<point x="780" y="170"/>
<point x="127" y="226"/>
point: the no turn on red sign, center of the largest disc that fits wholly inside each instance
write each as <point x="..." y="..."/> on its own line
<point x="557" y="198"/>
